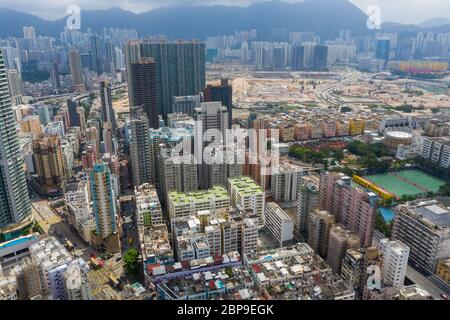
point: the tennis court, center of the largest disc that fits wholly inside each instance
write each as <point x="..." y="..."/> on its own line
<point x="407" y="182"/>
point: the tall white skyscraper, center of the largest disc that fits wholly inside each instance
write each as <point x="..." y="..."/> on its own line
<point x="395" y="261"/>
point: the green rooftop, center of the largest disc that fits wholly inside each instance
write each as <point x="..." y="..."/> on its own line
<point x="245" y="185"/>
<point x="217" y="192"/>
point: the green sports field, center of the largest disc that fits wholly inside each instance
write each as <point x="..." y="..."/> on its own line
<point x="423" y="179"/>
<point x="407" y="182"/>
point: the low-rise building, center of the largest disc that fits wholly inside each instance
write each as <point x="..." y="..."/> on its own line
<point x="296" y="273"/>
<point x="224" y="283"/>
<point x="413" y="292"/>
<point x="443" y="270"/>
<point x="53" y="260"/>
<point x="8" y="288"/>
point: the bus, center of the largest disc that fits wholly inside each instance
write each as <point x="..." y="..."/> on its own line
<point x="69" y="245"/>
<point x="114" y="281"/>
<point x="94" y="262"/>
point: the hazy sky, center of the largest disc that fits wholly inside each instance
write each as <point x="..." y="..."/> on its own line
<point x="405" y="11"/>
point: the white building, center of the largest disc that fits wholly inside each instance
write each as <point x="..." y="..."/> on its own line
<point x="148" y="207"/>
<point x="76" y="283"/>
<point x="286" y="182"/>
<point x="226" y="230"/>
<point x="53" y="259"/>
<point x="437" y="150"/>
<point x="280" y="225"/>
<point x="393" y="122"/>
<point x="193" y="246"/>
<point x="395" y="257"/>
<point x="408" y="152"/>
<point x="79" y="210"/>
<point x="186" y="204"/>
<point x="246" y="194"/>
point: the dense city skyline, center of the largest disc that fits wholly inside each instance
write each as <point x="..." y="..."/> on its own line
<point x="183" y="157"/>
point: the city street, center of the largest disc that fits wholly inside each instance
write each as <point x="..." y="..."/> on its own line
<point x="129" y="229"/>
<point x="52" y="224"/>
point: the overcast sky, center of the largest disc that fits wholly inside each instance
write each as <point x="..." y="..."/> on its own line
<point x="404" y="11"/>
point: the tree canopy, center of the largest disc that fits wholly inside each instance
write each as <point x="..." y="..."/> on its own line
<point x="131" y="262"/>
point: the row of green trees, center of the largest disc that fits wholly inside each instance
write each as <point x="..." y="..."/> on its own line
<point x="131" y="262"/>
<point x="311" y="156"/>
<point x="365" y="149"/>
<point x="381" y="225"/>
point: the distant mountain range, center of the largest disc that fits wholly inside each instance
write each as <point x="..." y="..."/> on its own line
<point x="435" y="22"/>
<point x="325" y="17"/>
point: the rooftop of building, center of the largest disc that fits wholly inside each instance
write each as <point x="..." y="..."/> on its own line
<point x="21" y="240"/>
<point x="355" y="254"/>
<point x="308" y="289"/>
<point x="295" y="273"/>
<point x="50" y="253"/>
<point x="184" y="225"/>
<point x="442" y="140"/>
<point x="432" y="212"/>
<point x="312" y="181"/>
<point x="245" y="186"/>
<point x="343" y="232"/>
<point x="146" y="197"/>
<point x="225" y="281"/>
<point x="73" y="277"/>
<point x="278" y="211"/>
<point x="323" y="214"/>
<point x="8" y="286"/>
<point x="217" y="193"/>
<point x="395" y="245"/>
<point x="73" y="186"/>
<point x="195" y="265"/>
<point x="414" y="292"/>
<point x="445" y="262"/>
<point x="155" y="241"/>
<point x="136" y="291"/>
<point x="212" y="221"/>
<point x="298" y="249"/>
